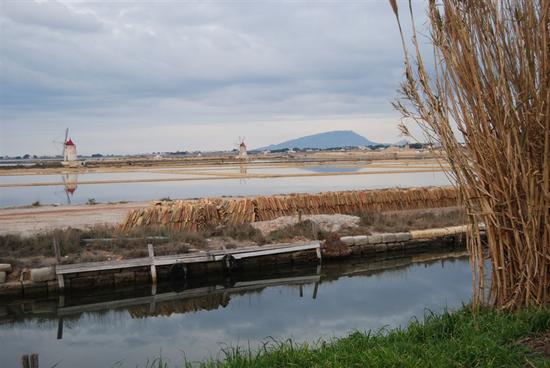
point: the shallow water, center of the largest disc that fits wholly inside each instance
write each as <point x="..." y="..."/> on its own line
<point x="352" y="295"/>
<point x="70" y="190"/>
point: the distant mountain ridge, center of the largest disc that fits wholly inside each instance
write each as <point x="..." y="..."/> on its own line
<point x="335" y="138"/>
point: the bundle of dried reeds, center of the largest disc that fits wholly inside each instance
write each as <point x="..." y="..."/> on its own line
<point x="490" y="88"/>
<point x="199" y="214"/>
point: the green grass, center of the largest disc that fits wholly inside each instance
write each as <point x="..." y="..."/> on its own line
<point x="459" y="339"/>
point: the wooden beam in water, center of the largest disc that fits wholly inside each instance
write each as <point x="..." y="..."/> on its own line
<point x="186" y="294"/>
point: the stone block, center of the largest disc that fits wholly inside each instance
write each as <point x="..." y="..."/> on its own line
<point x="402" y="237"/>
<point x="395" y="246"/>
<point x="348" y="240"/>
<point x="356" y="251"/>
<point x="2" y="277"/>
<point x="381" y="247"/>
<point x="375" y="239"/>
<point x="388" y="238"/>
<point x="5" y="267"/>
<point x="368" y="249"/>
<point x="42" y="274"/>
<point x="361" y="240"/>
<point x="415" y="244"/>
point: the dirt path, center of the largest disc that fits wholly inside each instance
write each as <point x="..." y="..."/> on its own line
<point x="31" y="220"/>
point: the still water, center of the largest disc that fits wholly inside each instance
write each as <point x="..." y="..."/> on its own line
<point x="311" y="304"/>
<point x="70" y="189"/>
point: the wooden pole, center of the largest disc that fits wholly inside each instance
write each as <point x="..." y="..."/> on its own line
<point x="60" y="329"/>
<point x="153" y="267"/>
<point x="315" y="290"/>
<point x="57" y="252"/>
<point x="34" y="360"/>
<point x="25" y="361"/>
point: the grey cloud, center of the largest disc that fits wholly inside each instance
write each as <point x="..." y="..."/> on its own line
<point x="205" y="61"/>
<point x="50" y="14"/>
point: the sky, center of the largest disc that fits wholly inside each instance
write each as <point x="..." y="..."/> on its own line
<point x="150" y="76"/>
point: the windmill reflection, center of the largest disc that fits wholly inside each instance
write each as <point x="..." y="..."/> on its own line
<point x="70" y="181"/>
<point x="243" y="170"/>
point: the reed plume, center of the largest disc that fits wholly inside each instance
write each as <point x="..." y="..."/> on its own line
<point x="485" y="101"/>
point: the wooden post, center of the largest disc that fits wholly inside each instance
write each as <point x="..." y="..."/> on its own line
<point x="57" y="252"/>
<point x="25" y="361"/>
<point x="60" y="329"/>
<point x="301" y="291"/>
<point x="319" y="254"/>
<point x="315" y="290"/>
<point x="34" y="360"/>
<point x="153" y="267"/>
<point x="300" y="215"/>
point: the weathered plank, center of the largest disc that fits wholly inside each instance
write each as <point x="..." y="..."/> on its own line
<point x="186" y="258"/>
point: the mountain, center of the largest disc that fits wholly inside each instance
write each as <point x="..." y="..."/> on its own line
<point x="336" y="138"/>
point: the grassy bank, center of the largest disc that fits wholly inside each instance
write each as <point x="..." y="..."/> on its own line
<point x="460" y="339"/>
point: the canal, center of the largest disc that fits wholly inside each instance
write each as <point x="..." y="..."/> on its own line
<point x="196" y="321"/>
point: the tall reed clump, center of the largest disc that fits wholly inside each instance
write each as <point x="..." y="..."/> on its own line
<point x="485" y="101"/>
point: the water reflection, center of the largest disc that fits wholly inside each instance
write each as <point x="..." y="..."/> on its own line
<point x="113" y="192"/>
<point x="303" y="304"/>
<point x="243" y="170"/>
<point x="70" y="182"/>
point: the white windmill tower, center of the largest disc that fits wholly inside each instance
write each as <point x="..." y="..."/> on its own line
<point x="243" y="155"/>
<point x="69" y="151"/>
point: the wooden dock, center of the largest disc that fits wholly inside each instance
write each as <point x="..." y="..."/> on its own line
<point x="226" y="256"/>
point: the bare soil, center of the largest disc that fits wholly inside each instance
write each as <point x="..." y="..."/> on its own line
<point x="30" y="221"/>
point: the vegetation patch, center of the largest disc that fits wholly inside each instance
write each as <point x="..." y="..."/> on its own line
<point x="488" y="338"/>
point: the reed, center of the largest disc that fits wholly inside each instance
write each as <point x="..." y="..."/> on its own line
<point x="485" y="100"/>
<point x="200" y="214"/>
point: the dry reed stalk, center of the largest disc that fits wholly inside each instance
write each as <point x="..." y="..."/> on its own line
<point x="490" y="86"/>
<point x="199" y="214"/>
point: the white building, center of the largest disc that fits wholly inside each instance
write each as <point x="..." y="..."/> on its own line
<point x="69" y="152"/>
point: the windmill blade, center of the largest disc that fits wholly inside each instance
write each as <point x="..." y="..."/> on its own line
<point x="66" y="135"/>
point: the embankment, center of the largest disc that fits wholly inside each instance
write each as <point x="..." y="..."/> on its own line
<point x="222" y="264"/>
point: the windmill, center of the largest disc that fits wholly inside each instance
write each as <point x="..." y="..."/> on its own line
<point x="241" y="146"/>
<point x="69" y="150"/>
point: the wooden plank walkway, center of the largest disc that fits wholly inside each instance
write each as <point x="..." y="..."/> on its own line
<point x="198" y="257"/>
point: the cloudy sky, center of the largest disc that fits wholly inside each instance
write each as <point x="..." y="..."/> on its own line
<point x="144" y="76"/>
